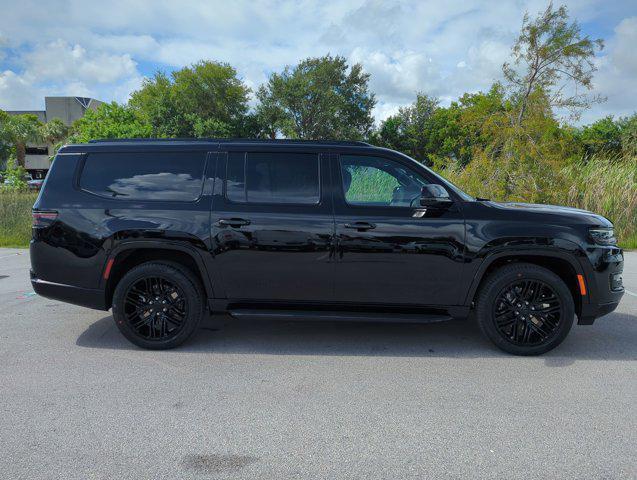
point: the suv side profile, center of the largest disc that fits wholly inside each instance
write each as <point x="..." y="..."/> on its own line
<point x="167" y="231"/>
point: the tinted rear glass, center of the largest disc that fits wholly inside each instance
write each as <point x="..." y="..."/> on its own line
<point x="145" y="176"/>
<point x="273" y="178"/>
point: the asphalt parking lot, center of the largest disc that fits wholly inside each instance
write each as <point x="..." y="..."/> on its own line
<point x="278" y="400"/>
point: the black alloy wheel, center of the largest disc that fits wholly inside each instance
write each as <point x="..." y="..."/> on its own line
<point x="155" y="308"/>
<point x="158" y="305"/>
<point x="524" y="309"/>
<point x="527" y="312"/>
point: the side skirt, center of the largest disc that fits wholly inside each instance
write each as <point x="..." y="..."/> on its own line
<point x="335" y="316"/>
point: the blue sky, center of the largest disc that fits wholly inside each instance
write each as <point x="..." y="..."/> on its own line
<point x="443" y="47"/>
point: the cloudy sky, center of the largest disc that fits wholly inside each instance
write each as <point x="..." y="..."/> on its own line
<point x="103" y="49"/>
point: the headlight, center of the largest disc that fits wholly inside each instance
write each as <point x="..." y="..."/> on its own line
<point x="603" y="236"/>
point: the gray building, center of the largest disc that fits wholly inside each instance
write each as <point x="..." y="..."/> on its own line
<point x="67" y="109"/>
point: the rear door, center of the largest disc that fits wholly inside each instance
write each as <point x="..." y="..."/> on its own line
<point x="272" y="225"/>
<point x="390" y="250"/>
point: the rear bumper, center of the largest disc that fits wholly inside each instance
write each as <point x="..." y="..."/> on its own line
<point x="84" y="297"/>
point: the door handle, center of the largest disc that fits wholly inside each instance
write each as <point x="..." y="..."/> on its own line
<point x="360" y="226"/>
<point x="232" y="222"/>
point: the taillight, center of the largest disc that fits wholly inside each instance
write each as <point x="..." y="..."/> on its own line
<point x="42" y="218"/>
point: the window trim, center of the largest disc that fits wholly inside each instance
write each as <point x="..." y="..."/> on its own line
<point x="85" y="155"/>
<point x="271" y="204"/>
<point x="383" y="157"/>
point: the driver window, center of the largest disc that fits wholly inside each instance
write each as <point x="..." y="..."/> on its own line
<point x="377" y="181"/>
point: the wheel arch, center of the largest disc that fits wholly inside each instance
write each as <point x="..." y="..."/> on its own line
<point x="563" y="264"/>
<point x="130" y="254"/>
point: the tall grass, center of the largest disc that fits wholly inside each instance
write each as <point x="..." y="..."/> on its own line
<point x="15" y="218"/>
<point x="610" y="189"/>
<point x="603" y="185"/>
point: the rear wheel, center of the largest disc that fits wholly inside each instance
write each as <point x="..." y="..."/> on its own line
<point x="158" y="305"/>
<point x="525" y="309"/>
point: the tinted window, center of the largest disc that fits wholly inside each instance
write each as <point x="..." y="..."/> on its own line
<point x="145" y="176"/>
<point x="379" y="181"/>
<point x="273" y="178"/>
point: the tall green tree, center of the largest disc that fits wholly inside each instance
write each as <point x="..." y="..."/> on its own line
<point x="205" y="99"/>
<point x="434" y="134"/>
<point x="5" y="141"/>
<point x="18" y="131"/>
<point x="408" y="130"/>
<point x="54" y="131"/>
<point x="320" y="98"/>
<point x="628" y="127"/>
<point x="110" y="120"/>
<point x="552" y="54"/>
<point x="603" y="135"/>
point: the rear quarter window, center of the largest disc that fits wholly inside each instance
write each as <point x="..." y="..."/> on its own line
<point x="273" y="177"/>
<point x="173" y="176"/>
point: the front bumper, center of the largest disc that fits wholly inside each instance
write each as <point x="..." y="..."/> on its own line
<point x="604" y="284"/>
<point x="590" y="312"/>
<point x="84" y="297"/>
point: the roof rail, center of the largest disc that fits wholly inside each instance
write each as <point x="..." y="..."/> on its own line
<point x="233" y="140"/>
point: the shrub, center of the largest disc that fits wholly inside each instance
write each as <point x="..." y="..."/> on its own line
<point x="14" y="177"/>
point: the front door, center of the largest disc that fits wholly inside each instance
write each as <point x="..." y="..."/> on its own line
<point x="272" y="226"/>
<point x="391" y="250"/>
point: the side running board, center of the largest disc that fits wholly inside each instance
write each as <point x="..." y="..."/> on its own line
<point x="313" y="315"/>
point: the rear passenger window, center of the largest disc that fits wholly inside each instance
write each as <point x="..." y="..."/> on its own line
<point x="145" y="176"/>
<point x="273" y="178"/>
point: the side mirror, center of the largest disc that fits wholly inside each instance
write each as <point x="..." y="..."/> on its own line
<point x="434" y="195"/>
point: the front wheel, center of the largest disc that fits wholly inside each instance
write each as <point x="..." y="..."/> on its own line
<point x="525" y="309"/>
<point x="158" y="305"/>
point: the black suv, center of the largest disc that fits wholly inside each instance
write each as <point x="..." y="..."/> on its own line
<point x="167" y="231"/>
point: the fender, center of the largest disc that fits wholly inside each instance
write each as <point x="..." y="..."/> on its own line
<point x="186" y="248"/>
<point x="566" y="252"/>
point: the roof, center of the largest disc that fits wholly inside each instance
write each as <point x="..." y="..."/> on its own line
<point x="233" y="140"/>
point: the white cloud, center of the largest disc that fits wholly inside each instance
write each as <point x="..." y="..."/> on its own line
<point x="17" y="93"/>
<point x="59" y="68"/>
<point x="60" y="59"/>
<point x="440" y="47"/>
<point x="617" y="74"/>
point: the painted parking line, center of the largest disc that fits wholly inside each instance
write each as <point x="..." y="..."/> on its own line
<point x="26" y="295"/>
<point x="630" y="293"/>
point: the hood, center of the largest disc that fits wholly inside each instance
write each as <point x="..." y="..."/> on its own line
<point x="568" y="212"/>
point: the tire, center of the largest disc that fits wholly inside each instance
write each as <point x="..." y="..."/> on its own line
<point x="525" y="309"/>
<point x="158" y="305"/>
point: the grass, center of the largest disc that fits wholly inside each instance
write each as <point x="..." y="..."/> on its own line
<point x="15" y="218"/>
<point x="610" y="189"/>
<point x="602" y="185"/>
